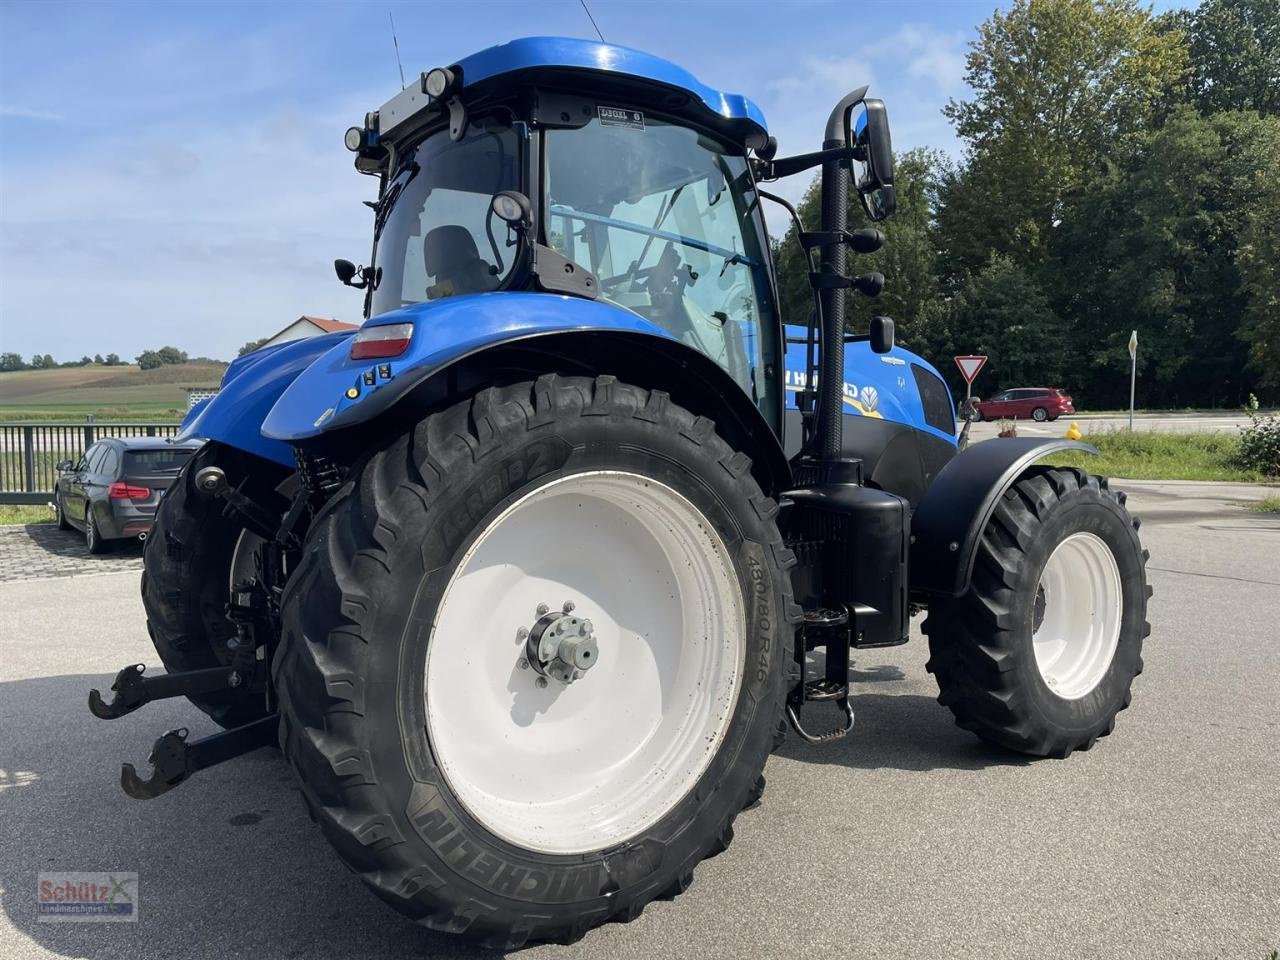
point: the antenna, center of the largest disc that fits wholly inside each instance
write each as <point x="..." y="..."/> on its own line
<point x="397" y="46"/>
<point x="587" y="10"/>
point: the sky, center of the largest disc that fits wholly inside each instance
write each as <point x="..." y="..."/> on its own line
<point x="174" y="173"/>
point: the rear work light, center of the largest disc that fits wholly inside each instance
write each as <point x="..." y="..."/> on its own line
<point x="123" y="491"/>
<point x="373" y="343"/>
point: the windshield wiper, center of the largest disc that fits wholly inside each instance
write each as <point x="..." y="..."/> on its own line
<point x="382" y="209"/>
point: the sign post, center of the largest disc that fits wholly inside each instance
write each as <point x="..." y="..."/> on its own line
<point x="1133" y="372"/>
<point x="969" y="367"/>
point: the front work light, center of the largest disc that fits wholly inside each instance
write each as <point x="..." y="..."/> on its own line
<point x="439" y="82"/>
<point x="389" y="340"/>
<point x="353" y="138"/>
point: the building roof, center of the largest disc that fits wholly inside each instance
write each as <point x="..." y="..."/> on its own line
<point x="328" y="326"/>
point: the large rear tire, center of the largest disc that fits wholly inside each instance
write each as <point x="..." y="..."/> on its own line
<point x="187" y="574"/>
<point x="1040" y="654"/>
<point x="465" y="789"/>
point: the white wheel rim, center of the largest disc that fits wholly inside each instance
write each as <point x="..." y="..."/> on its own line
<point x="1076" y="638"/>
<point x="572" y="768"/>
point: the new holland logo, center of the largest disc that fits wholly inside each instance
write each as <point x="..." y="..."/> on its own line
<point x="869" y="398"/>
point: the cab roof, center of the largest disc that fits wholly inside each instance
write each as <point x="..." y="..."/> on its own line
<point x="554" y="55"/>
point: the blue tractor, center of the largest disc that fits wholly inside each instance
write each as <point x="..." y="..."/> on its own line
<point x="528" y="576"/>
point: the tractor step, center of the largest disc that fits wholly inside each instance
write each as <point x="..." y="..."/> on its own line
<point x="132" y="689"/>
<point x="820" y="691"/>
<point x="173" y="759"/>
<point x="827" y="627"/>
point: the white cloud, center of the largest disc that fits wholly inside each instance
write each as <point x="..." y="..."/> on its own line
<point x="938" y="58"/>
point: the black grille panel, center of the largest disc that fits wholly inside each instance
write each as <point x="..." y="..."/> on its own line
<point x="936" y="400"/>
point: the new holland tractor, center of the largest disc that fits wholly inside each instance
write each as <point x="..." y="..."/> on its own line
<point x="528" y="576"/>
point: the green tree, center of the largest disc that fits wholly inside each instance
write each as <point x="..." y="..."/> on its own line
<point x="171" y="355"/>
<point x="11" y="361"/>
<point x="97" y="358"/>
<point x="113" y="360"/>
<point x="149" y="360"/>
<point x="907" y="259"/>
<point x="1235" y="55"/>
<point x="1176" y="239"/>
<point x="1056" y="83"/>
<point x="251" y="346"/>
<point x="1003" y="313"/>
<point x="1258" y="260"/>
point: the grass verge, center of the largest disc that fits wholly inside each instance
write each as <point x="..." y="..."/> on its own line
<point x="1149" y="455"/>
<point x="14" y="515"/>
<point x="1266" y="505"/>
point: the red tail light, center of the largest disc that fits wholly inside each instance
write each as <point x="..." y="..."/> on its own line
<point x="376" y="343"/>
<point x="122" y="491"/>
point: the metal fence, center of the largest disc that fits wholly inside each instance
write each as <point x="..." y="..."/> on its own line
<point x="30" y="452"/>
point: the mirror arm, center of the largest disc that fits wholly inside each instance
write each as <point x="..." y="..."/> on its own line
<point x="787" y="166"/>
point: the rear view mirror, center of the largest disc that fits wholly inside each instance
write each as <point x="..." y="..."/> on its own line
<point x="346" y="271"/>
<point x="872" y="167"/>
<point x="881" y="334"/>
<point x="64" y="465"/>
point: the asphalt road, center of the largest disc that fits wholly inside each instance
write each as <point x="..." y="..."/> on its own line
<point x="1094" y="423"/>
<point x="909" y="839"/>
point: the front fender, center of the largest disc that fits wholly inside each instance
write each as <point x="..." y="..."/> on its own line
<point x="949" y="521"/>
<point x="250" y="388"/>
<point x="320" y="399"/>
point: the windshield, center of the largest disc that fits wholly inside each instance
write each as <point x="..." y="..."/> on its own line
<point x="667" y="222"/>
<point x="435" y="238"/>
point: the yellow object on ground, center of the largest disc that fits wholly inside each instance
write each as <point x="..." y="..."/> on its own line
<point x="1073" y="432"/>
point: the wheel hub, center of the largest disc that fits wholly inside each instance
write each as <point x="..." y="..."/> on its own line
<point x="560" y="645"/>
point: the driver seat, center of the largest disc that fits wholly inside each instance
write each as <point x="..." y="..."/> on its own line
<point x="451" y="259"/>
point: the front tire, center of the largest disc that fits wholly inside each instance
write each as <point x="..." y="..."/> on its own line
<point x="1040" y="654"/>
<point x="469" y="792"/>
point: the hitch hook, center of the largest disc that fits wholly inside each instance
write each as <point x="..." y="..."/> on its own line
<point x="173" y="759"/>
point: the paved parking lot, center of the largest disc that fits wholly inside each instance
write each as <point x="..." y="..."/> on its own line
<point x="40" y="550"/>
<point x="908" y="839"/>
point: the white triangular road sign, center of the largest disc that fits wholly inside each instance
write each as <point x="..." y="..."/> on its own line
<point x="969" y="366"/>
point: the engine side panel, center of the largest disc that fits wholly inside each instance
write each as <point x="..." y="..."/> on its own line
<point x="903" y="438"/>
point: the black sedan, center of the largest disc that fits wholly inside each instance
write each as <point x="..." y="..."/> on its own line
<point x="112" y="492"/>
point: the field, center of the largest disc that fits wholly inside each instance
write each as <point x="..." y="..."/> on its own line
<point x="106" y="393"/>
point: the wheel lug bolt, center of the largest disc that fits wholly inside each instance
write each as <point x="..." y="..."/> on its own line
<point x="522" y="633"/>
<point x="542" y="609"/>
<point x="524" y="664"/>
<point x="540" y="683"/>
<point x="568" y="607"/>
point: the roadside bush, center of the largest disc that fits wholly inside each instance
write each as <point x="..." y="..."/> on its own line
<point x="1260" y="445"/>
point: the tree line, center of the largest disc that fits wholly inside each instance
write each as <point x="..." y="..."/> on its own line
<point x="146" y="360"/>
<point x="1121" y="172"/>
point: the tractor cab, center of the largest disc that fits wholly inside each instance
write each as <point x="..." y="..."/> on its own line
<point x="654" y="215"/>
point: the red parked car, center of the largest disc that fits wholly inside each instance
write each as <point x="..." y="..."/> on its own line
<point x="1036" y="403"/>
